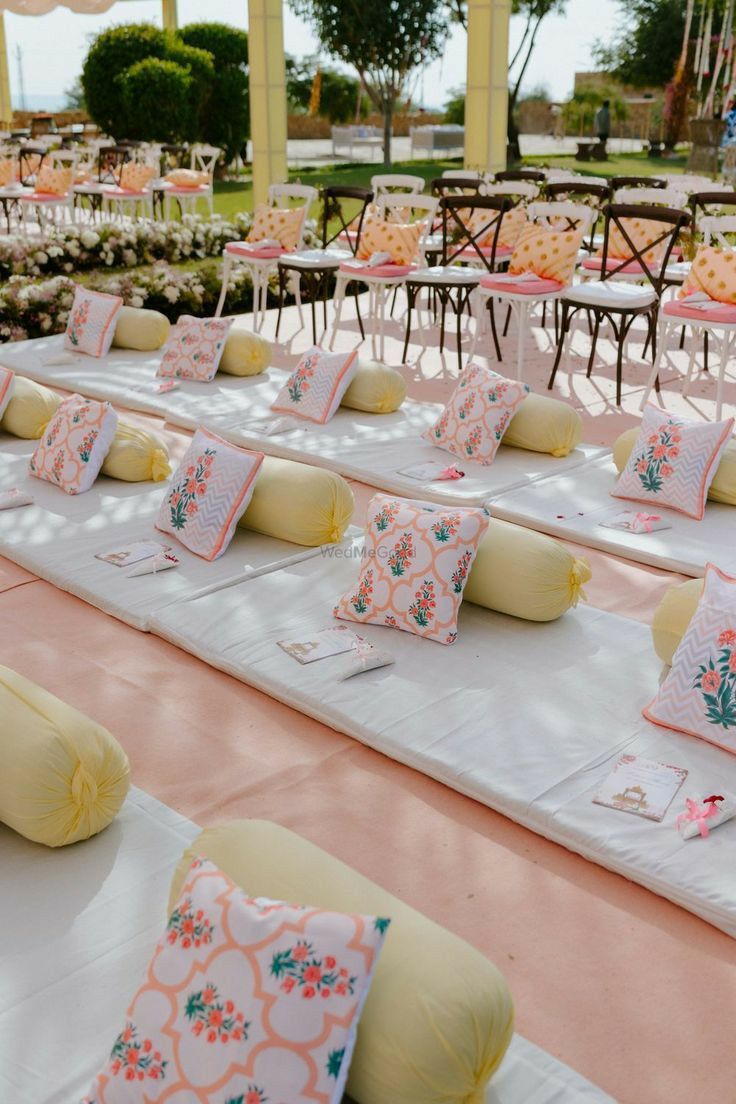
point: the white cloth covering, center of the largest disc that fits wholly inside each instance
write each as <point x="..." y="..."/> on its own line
<point x="527" y="718"/>
<point x="60" y="535"/>
<point x="572" y="505"/>
<point x="79" y="926"/>
<point x="372" y="448"/>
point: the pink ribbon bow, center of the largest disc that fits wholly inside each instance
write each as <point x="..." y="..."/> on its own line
<point x="645" y="522"/>
<point x="451" y="473"/>
<point x="699" y="815"/>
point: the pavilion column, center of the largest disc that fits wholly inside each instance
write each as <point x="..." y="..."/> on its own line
<point x="267" y="68"/>
<point x="487" y="95"/>
<point x="6" y="106"/>
<point x="169" y="15"/>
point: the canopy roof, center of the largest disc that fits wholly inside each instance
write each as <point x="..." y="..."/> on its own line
<point x="41" y="7"/>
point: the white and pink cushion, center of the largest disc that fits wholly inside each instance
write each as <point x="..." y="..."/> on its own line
<point x="417" y="560"/>
<point x="7" y="382"/>
<point x="529" y="284"/>
<point x="705" y="311"/>
<point x="477" y="415"/>
<point x="208" y="493"/>
<point x="382" y="272"/>
<point x="74" y="444"/>
<point x="315" y="388"/>
<point x="194" y="348"/>
<point x="255" y="250"/>
<point x="245" y="1001"/>
<point x="91" y="324"/>
<point x="673" y="461"/>
<point x="699" y="694"/>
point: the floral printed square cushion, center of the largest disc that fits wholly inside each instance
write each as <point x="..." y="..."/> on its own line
<point x="7" y="381"/>
<point x="315" y="388"/>
<point x="91" y="324"/>
<point x="477" y="415"/>
<point x="194" y="348"/>
<point x="245" y="1000"/>
<point x="673" y="461"/>
<point x="417" y="560"/>
<point x="699" y="694"/>
<point x="208" y="493"/>
<point x="74" y="444"/>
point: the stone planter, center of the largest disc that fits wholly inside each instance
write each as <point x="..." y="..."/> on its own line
<point x="706" y="135"/>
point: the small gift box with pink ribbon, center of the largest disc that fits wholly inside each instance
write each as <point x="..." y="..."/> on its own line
<point x="699" y="818"/>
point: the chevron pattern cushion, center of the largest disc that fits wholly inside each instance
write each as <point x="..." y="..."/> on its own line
<point x="208" y="493"/>
<point x="194" y="348"/>
<point x="673" y="461"/>
<point x="476" y="417"/>
<point x="7" y="383"/>
<point x="699" y="694"/>
<point x="315" y="388"/>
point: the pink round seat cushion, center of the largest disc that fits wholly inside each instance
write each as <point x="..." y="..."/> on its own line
<point x="716" y="312"/>
<point x="538" y="286"/>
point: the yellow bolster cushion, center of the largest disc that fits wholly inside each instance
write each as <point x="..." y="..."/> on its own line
<point x="64" y="777"/>
<point x="244" y="353"/>
<point x="138" y="328"/>
<point x="723" y="487"/>
<point x="375" y="389"/>
<point x="299" y="503"/>
<point x="136" y="456"/>
<point x="546" y="425"/>
<point x="30" y="408"/>
<point x="439" y="1016"/>
<point x="525" y="574"/>
<point x="673" y="615"/>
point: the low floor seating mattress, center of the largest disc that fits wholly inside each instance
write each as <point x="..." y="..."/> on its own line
<point x="372" y="448"/>
<point x="572" y="504"/>
<point x="525" y="718"/>
<point x="69" y="972"/>
<point x="59" y="536"/>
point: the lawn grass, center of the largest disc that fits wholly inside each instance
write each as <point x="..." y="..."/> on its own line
<point x="232" y="196"/>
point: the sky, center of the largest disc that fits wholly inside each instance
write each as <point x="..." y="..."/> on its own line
<point x="53" y="46"/>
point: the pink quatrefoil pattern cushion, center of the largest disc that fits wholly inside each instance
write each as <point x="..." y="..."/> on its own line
<point x="477" y="415"/>
<point x="194" y="348"/>
<point x="247" y="1001"/>
<point x="417" y="560"/>
<point x="74" y="444"/>
<point x="673" y="461"/>
<point x="91" y="324"/>
<point x="699" y="694"/>
<point x="208" y="494"/>
<point x="7" y="382"/>
<point x="315" y="388"/>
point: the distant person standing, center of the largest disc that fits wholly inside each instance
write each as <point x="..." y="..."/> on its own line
<point x="603" y="121"/>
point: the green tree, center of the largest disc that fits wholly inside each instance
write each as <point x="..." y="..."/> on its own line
<point x="157" y="98"/>
<point x="74" y="96"/>
<point x="338" y="94"/>
<point x="384" y="41"/>
<point x="455" y="107"/>
<point x="111" y="53"/>
<point x="225" y="119"/>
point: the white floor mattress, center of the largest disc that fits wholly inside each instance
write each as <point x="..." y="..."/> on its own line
<point x="526" y="718"/>
<point x="572" y="504"/>
<point x="372" y="448"/>
<point x="60" y="535"/>
<point x="79" y="926"/>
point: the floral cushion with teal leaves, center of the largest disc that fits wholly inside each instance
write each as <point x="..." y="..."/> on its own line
<point x="208" y="493"/>
<point x="245" y="1001"/>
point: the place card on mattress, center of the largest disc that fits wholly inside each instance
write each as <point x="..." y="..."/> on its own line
<point x="641" y="786"/>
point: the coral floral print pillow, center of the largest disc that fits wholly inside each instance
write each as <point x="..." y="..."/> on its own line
<point x="7" y="382"/>
<point x="194" y="348"/>
<point x="477" y="415"/>
<point x="208" y="493"/>
<point x="673" y="461"/>
<point x="418" y="557"/>
<point x="245" y="1001"/>
<point x="91" y="325"/>
<point x="699" y="694"/>
<point x="315" y="388"/>
<point x="74" y="444"/>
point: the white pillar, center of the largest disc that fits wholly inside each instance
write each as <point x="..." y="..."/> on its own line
<point x="267" y="68"/>
<point x="6" y="106"/>
<point x="487" y="95"/>
<point x="169" y="15"/>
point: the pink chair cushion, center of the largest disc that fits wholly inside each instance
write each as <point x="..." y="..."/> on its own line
<point x="538" y="286"/>
<point x="246" y="249"/>
<point x="619" y="267"/>
<point x="388" y="271"/>
<point x="126" y="193"/>
<point x="716" y="312"/>
<point x="44" y="197"/>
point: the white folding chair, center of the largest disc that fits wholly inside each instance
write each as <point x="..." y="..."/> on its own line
<point x="49" y="207"/>
<point x="386" y="183"/>
<point x="203" y="158"/>
<point x="665" y="197"/>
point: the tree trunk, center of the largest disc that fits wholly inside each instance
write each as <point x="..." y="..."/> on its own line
<point x="388" y="119"/>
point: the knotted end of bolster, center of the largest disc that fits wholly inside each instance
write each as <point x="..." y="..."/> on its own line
<point x="160" y="466"/>
<point x="580" y="573"/>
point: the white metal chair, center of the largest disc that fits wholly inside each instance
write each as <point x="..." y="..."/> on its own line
<point x="666" y="197"/>
<point x="50" y="207"/>
<point x="203" y="159"/>
<point x="262" y="262"/>
<point x="463" y="174"/>
<point x="520" y="190"/>
<point x="709" y="320"/>
<point x="388" y="183"/>
<point x="384" y="278"/>
<point x="691" y="182"/>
